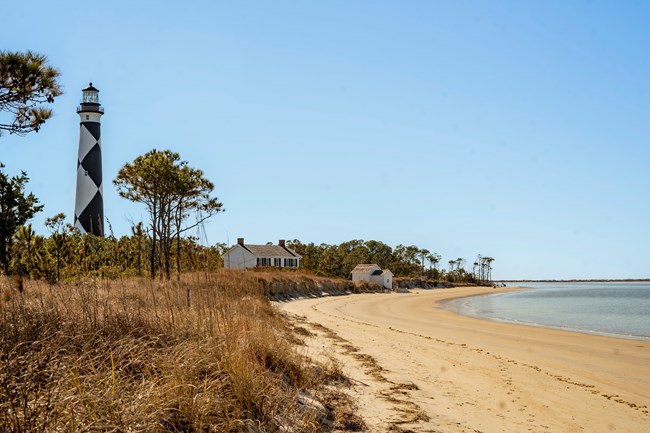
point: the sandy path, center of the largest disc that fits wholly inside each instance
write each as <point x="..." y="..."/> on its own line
<point x="420" y="368"/>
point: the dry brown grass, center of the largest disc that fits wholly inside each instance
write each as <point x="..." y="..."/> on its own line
<point x="208" y="353"/>
<point x="286" y="285"/>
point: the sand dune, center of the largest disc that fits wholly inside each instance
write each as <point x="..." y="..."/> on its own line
<point x="420" y="368"/>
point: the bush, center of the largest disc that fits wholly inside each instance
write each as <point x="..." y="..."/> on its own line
<point x="208" y="353"/>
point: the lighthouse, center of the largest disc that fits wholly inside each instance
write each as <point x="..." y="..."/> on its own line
<point x="89" y="203"/>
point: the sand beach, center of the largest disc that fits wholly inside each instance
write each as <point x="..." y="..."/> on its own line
<point x="418" y="367"/>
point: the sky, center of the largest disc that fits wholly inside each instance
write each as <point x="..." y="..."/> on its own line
<point x="516" y="130"/>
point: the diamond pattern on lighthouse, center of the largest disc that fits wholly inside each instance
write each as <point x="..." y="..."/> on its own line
<point x="89" y="203"/>
<point x="89" y="212"/>
<point x="86" y="140"/>
<point x="93" y="214"/>
<point x="93" y="129"/>
<point x="92" y="164"/>
<point x="86" y="189"/>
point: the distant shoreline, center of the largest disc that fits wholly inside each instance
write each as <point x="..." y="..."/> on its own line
<point x="627" y="280"/>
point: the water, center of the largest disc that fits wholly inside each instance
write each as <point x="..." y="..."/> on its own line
<point x="617" y="309"/>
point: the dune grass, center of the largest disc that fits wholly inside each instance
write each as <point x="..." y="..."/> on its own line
<point x="208" y="353"/>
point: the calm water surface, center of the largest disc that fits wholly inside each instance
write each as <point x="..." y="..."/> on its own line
<point x="616" y="309"/>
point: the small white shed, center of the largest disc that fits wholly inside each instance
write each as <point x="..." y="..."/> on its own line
<point x="373" y="274"/>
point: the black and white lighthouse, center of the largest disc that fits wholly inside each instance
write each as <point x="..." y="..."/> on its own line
<point x="89" y="203"/>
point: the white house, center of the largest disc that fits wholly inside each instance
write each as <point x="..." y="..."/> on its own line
<point x="373" y="274"/>
<point x="242" y="256"/>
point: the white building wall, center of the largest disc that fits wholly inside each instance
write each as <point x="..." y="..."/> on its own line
<point x="388" y="279"/>
<point x="89" y="116"/>
<point x="364" y="276"/>
<point x="285" y="259"/>
<point x="385" y="279"/>
<point x="239" y="258"/>
<point x="271" y="262"/>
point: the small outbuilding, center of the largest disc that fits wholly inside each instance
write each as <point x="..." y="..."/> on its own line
<point x="242" y="256"/>
<point x="373" y="274"/>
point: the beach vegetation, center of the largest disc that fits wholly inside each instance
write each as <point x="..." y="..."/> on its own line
<point x="16" y="208"/>
<point x="172" y="192"/>
<point x="403" y="261"/>
<point x="27" y="85"/>
<point x="482" y="268"/>
<point x="134" y="355"/>
<point x="68" y="254"/>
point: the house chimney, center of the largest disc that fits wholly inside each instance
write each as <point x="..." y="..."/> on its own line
<point x="281" y="243"/>
<point x="240" y="241"/>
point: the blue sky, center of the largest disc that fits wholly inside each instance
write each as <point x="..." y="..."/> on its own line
<point x="517" y="130"/>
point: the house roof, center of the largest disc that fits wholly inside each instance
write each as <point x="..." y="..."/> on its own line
<point x="365" y="268"/>
<point x="271" y="251"/>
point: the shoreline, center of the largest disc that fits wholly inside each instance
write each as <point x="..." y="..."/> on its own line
<point x="480" y="375"/>
<point x="442" y="304"/>
<point x="629" y="280"/>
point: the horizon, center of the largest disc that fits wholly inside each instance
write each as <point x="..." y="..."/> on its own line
<point x="573" y="280"/>
<point x="516" y="131"/>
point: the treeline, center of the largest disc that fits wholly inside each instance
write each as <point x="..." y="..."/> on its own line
<point x="66" y="253"/>
<point x="403" y="261"/>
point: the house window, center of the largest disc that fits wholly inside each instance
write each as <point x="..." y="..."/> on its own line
<point x="290" y="263"/>
<point x="264" y="261"/>
<point x="258" y="261"/>
<point x="87" y="117"/>
<point x="277" y="262"/>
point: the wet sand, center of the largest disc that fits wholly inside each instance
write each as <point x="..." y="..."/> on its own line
<point x="417" y="367"/>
